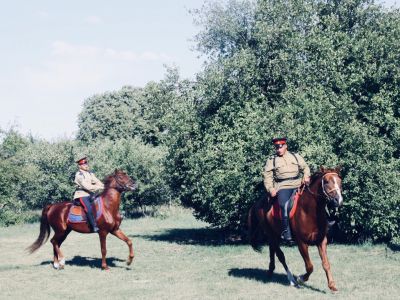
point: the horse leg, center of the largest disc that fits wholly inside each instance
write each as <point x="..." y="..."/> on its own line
<point x="103" y="236"/>
<point x="289" y="274"/>
<point x="303" y="248"/>
<point x="271" y="261"/>
<point x="61" y="256"/>
<point x="58" y="238"/>
<point x="119" y="234"/>
<point x="325" y="264"/>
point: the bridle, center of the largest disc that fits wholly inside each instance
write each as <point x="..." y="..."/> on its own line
<point x="120" y="185"/>
<point x="323" y="186"/>
<point x="325" y="192"/>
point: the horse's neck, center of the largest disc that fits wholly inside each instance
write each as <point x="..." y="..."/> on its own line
<point x="311" y="216"/>
<point x="315" y="186"/>
<point x="313" y="194"/>
<point x="112" y="197"/>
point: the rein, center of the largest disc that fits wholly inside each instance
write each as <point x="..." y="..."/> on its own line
<point x="121" y="186"/>
<point x="325" y="193"/>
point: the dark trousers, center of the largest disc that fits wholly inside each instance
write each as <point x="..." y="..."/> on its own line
<point x="283" y="200"/>
<point x="87" y="205"/>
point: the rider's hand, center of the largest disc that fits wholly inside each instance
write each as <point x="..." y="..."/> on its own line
<point x="272" y="192"/>
<point x="306" y="180"/>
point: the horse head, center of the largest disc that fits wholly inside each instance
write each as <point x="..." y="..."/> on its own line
<point x="120" y="181"/>
<point x="331" y="185"/>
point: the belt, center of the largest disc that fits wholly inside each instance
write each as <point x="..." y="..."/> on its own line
<point x="284" y="179"/>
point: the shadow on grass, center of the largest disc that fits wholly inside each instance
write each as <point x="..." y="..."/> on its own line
<point x="196" y="236"/>
<point x="91" y="262"/>
<point x="263" y="276"/>
<point x="259" y="275"/>
<point x="304" y="285"/>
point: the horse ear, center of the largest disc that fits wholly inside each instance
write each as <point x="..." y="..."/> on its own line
<point x="115" y="171"/>
<point x="338" y="169"/>
<point x="322" y="169"/>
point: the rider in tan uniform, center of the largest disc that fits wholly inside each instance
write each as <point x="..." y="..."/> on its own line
<point x="283" y="174"/>
<point x="86" y="185"/>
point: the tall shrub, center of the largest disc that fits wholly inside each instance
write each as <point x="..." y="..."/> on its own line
<point x="323" y="73"/>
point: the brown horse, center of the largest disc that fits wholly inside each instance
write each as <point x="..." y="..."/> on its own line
<point x="309" y="224"/>
<point x="55" y="215"/>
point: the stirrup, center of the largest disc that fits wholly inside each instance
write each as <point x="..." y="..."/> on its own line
<point x="331" y="223"/>
<point x="286" y="236"/>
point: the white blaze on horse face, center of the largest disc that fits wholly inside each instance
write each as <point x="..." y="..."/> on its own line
<point x="338" y="191"/>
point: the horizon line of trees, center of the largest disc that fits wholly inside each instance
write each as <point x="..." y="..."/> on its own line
<point x="325" y="73"/>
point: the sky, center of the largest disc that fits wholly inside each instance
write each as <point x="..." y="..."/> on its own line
<point x="56" y="54"/>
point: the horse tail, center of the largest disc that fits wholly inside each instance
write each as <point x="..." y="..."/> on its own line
<point x="44" y="231"/>
<point x="254" y="230"/>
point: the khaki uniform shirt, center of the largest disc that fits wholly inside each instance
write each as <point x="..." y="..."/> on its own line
<point x="86" y="183"/>
<point x="286" y="166"/>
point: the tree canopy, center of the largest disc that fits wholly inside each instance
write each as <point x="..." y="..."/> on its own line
<point x="323" y="73"/>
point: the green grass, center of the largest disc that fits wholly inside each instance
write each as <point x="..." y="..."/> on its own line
<point x="178" y="257"/>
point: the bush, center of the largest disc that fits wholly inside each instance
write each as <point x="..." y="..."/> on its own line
<point x="144" y="163"/>
<point x="326" y="75"/>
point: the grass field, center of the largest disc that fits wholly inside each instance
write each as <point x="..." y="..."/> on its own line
<point x="178" y="257"/>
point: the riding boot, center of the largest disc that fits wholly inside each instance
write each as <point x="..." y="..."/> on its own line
<point x="331" y="223"/>
<point x="92" y="221"/>
<point x="286" y="234"/>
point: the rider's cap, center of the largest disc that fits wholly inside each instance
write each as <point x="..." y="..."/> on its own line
<point x="82" y="161"/>
<point x="279" y="141"/>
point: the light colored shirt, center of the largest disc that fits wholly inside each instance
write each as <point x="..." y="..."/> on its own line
<point x="86" y="183"/>
<point x="286" y="166"/>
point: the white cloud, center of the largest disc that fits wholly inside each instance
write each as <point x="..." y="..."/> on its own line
<point x="93" y="20"/>
<point x="75" y="66"/>
<point x="62" y="48"/>
<point x="43" y="14"/>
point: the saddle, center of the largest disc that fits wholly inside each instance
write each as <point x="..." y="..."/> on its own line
<point x="276" y="209"/>
<point x="78" y="215"/>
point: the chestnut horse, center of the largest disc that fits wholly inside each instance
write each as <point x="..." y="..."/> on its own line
<point x="55" y="215"/>
<point x="309" y="224"/>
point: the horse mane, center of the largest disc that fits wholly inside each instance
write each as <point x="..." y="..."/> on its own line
<point x="108" y="179"/>
<point x="320" y="173"/>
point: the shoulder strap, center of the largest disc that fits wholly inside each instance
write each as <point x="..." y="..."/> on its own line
<point x="298" y="165"/>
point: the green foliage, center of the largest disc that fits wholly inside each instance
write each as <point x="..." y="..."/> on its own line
<point x="111" y="115"/>
<point x="323" y="73"/>
<point x="144" y="163"/>
<point x="47" y="173"/>
<point x="11" y="207"/>
<point x="36" y="172"/>
<point x="145" y="113"/>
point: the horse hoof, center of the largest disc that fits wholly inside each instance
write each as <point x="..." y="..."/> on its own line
<point x="301" y="279"/>
<point x="294" y="284"/>
<point x="106" y="268"/>
<point x="129" y="261"/>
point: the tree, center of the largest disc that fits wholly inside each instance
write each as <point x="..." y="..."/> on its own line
<point x="324" y="73"/>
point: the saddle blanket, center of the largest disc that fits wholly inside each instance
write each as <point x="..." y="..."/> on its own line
<point x="78" y="215"/>
<point x="276" y="209"/>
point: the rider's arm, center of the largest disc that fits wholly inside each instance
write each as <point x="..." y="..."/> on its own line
<point x="85" y="183"/>
<point x="99" y="185"/>
<point x="269" y="176"/>
<point x="304" y="167"/>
